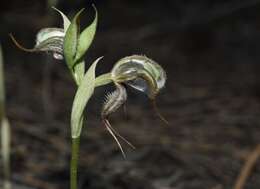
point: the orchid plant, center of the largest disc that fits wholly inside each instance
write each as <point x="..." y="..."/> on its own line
<point x="136" y="71"/>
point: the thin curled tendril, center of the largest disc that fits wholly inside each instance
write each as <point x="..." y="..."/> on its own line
<point x="115" y="134"/>
<point x="17" y="44"/>
<point x="158" y="113"/>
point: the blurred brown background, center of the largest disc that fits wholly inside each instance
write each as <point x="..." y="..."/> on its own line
<point x="212" y="97"/>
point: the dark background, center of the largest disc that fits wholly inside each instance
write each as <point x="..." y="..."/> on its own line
<point x="210" y="51"/>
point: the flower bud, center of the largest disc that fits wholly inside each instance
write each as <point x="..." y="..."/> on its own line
<point x="48" y="40"/>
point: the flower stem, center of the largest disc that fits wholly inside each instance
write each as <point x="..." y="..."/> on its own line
<point x="74" y="162"/>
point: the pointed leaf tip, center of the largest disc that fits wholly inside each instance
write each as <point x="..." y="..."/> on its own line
<point x="86" y="37"/>
<point x="66" y="21"/>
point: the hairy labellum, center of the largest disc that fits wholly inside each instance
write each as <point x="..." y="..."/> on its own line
<point x="141" y="73"/>
<point x="48" y="40"/>
<point x="114" y="100"/>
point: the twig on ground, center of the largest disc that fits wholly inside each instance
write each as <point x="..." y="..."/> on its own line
<point x="247" y="168"/>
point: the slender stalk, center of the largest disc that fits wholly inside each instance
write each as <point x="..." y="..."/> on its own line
<point x="5" y="130"/>
<point x="103" y="79"/>
<point x="74" y="163"/>
<point x="6" y="147"/>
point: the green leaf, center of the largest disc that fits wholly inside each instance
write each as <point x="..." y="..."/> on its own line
<point x="71" y="41"/>
<point x="84" y="92"/>
<point x="86" y="37"/>
<point x="66" y="21"/>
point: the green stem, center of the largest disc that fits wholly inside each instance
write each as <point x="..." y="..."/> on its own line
<point x="74" y="163"/>
<point x="103" y="79"/>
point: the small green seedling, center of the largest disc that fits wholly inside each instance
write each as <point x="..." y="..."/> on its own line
<point x="137" y="71"/>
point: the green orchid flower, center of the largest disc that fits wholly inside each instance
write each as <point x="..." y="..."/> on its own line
<point x="140" y="73"/>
